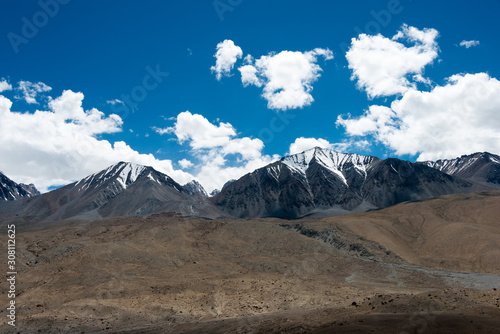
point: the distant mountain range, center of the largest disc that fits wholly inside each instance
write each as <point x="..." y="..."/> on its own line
<point x="124" y="189"/>
<point x="482" y="168"/>
<point x="317" y="181"/>
<point x="10" y="190"/>
<point x="322" y="181"/>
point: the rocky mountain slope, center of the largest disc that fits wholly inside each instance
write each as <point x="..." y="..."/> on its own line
<point x="482" y="167"/>
<point x="458" y="232"/>
<point x="317" y="181"/>
<point x="10" y="190"/>
<point x="328" y="182"/>
<point x="195" y="188"/>
<point x="124" y="189"/>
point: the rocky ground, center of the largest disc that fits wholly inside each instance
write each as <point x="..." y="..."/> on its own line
<point x="168" y="274"/>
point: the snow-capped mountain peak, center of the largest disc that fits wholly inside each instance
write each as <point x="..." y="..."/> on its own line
<point x="123" y="189"/>
<point x="323" y="180"/>
<point x="129" y="173"/>
<point x="194" y="187"/>
<point x="330" y="159"/>
<point x="124" y="173"/>
<point x="458" y="165"/>
<point x="452" y="166"/>
<point x="482" y="167"/>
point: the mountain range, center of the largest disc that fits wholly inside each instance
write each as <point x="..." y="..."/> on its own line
<point x="482" y="168"/>
<point x="10" y="190"/>
<point x="315" y="182"/>
<point x="326" y="182"/>
<point x="123" y="189"/>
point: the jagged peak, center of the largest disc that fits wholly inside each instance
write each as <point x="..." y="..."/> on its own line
<point x="458" y="165"/>
<point x="11" y="190"/>
<point x="473" y="156"/>
<point x="128" y="164"/>
<point x="487" y="155"/>
<point x="466" y="156"/>
<point x="195" y="187"/>
<point x="329" y="158"/>
<point x="125" y="173"/>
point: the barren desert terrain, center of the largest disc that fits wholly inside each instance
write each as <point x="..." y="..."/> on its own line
<point x="418" y="267"/>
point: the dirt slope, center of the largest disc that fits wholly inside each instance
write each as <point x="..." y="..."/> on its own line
<point x="166" y="274"/>
<point x="458" y="232"/>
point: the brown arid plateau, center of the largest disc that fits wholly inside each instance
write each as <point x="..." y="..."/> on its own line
<point x="418" y="267"/>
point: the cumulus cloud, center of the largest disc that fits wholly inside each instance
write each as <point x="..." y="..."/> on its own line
<point x="226" y="56"/>
<point x="5" y="85"/>
<point x="213" y="145"/>
<point x="249" y="76"/>
<point x="302" y="144"/>
<point x="199" y="131"/>
<point x="454" y="119"/>
<point x="29" y="91"/>
<point x="382" y="66"/>
<point x="287" y="77"/>
<point x="215" y="173"/>
<point x="185" y="163"/>
<point x="61" y="145"/>
<point x="469" y="44"/>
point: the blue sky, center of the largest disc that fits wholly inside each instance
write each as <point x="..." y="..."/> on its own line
<point x="108" y="50"/>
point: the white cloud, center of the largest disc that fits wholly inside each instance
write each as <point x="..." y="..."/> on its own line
<point x="199" y="131"/>
<point x="376" y="119"/>
<point x="115" y="101"/>
<point x="185" y="163"/>
<point x="381" y="65"/>
<point x="215" y="173"/>
<point x="469" y="44"/>
<point x="60" y="145"/>
<point x="30" y="91"/>
<point x="160" y="130"/>
<point x="213" y="144"/>
<point x="226" y="56"/>
<point x="249" y="76"/>
<point x="458" y="118"/>
<point x="287" y="77"/>
<point x="421" y="79"/>
<point x="302" y="144"/>
<point x="5" y="85"/>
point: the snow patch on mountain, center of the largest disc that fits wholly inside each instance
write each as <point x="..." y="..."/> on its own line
<point x="451" y="167"/>
<point x="461" y="164"/>
<point x="494" y="159"/>
<point x="129" y="174"/>
<point x="331" y="160"/>
<point x="125" y="174"/>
